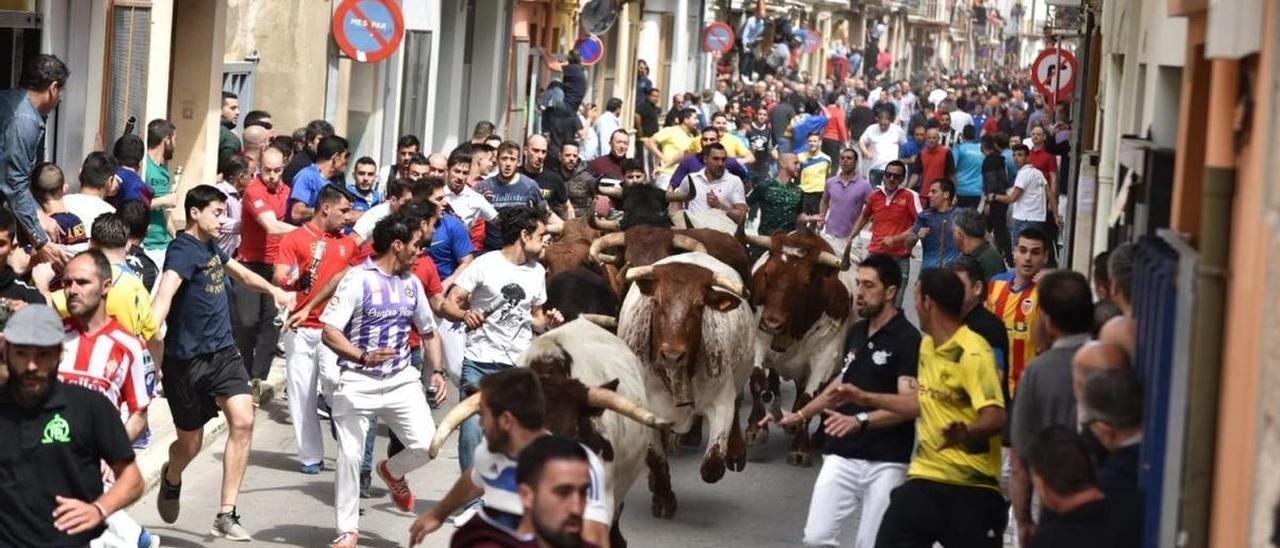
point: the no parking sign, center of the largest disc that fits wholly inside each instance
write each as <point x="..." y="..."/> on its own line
<point x="368" y="30"/>
<point x="590" y="48"/>
<point x="717" y="38"/>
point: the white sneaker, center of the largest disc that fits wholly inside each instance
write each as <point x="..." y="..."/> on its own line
<point x="466" y="515"/>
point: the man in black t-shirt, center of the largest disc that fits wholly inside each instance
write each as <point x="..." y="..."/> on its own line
<point x="202" y="370"/>
<point x="866" y="450"/>
<point x="760" y="139"/>
<point x="1063" y="474"/>
<point x="56" y="438"/>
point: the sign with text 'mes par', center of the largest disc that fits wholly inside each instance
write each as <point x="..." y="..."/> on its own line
<point x="368" y="31"/>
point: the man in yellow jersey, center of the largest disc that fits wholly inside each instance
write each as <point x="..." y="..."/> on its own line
<point x="128" y="300"/>
<point x="669" y="145"/>
<point x="815" y="167"/>
<point x="952" y="493"/>
<point x="1013" y="298"/>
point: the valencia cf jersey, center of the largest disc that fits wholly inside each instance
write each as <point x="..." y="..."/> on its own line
<point x="1017" y="308"/>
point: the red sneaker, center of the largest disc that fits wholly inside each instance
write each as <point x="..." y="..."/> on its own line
<point x="400" y="492"/>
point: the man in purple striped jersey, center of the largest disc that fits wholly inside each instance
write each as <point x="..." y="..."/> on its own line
<point x="367" y="324"/>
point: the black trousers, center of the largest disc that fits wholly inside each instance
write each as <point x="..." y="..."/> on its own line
<point x="254" y="327"/>
<point x="998" y="224"/>
<point x="922" y="512"/>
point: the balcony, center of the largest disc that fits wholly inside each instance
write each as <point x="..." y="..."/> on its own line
<point x="930" y="12"/>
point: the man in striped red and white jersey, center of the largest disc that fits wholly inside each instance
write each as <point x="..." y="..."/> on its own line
<point x="100" y="354"/>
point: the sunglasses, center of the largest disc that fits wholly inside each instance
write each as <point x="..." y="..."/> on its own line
<point x="888" y="175"/>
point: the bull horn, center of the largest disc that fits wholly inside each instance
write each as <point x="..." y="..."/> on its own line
<point x="639" y="273"/>
<point x="827" y="258"/>
<point x="608" y="241"/>
<point x="728" y="284"/>
<point x="607" y="399"/>
<point x="611" y="191"/>
<point x="451" y="421"/>
<point x="846" y="259"/>
<point x="604" y="225"/>
<point x="678" y="194"/>
<point x="602" y="320"/>
<point x="758" y="241"/>
<point x="687" y="243"/>
<point x="555" y="228"/>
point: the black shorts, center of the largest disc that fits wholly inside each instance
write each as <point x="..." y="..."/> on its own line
<point x="810" y="203"/>
<point x="192" y="385"/>
<point x="922" y="512"/>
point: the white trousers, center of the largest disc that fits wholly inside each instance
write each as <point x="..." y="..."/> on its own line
<point x="122" y="531"/>
<point x="453" y="344"/>
<point x="397" y="401"/>
<point x="305" y="355"/>
<point x="844" y="485"/>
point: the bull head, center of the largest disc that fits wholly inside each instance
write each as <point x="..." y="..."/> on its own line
<point x="614" y="240"/>
<point x="796" y="284"/>
<point x="681" y="293"/>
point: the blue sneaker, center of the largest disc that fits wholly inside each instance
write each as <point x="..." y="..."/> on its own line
<point x="312" y="469"/>
<point x="144" y="440"/>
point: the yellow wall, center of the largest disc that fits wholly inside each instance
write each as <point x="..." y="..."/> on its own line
<point x="292" y="41"/>
<point x="195" y="100"/>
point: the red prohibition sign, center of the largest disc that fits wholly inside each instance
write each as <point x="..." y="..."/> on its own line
<point x="1054" y="68"/>
<point x="368" y="30"/>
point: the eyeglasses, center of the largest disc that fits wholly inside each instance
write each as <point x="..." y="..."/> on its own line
<point x="890" y="175"/>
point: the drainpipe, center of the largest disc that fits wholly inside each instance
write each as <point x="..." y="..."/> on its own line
<point x="1210" y="306"/>
<point x="1109" y="131"/>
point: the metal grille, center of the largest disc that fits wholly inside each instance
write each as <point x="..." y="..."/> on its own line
<point x="127" y="83"/>
<point x="238" y="78"/>
<point x="416" y="94"/>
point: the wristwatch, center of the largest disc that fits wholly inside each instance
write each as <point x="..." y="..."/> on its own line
<point x="864" y="419"/>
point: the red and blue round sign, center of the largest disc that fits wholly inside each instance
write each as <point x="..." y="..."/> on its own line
<point x="810" y="41"/>
<point x="590" y="48"/>
<point x="718" y="37"/>
<point x="368" y="30"/>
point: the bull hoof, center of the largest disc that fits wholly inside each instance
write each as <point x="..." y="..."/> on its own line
<point x="664" y="506"/>
<point x="737" y="463"/>
<point x="800" y="458"/>
<point x="757" y="435"/>
<point x="713" y="467"/>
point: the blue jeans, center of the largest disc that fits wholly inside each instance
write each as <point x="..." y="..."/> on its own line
<point x="875" y="176"/>
<point x="469" y="434"/>
<point x="1019" y="225"/>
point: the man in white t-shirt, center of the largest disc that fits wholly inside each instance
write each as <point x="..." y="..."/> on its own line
<point x="499" y="298"/>
<point x="1027" y="196"/>
<point x="97" y="181"/>
<point x="512" y="412"/>
<point x="466" y="203"/>
<point x="959" y="116"/>
<point x="398" y="193"/>
<point x="715" y="188"/>
<point x="880" y="143"/>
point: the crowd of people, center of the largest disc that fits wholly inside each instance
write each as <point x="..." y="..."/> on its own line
<point x="386" y="285"/>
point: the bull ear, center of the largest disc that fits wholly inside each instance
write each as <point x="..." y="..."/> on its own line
<point x="836" y="302"/>
<point x="611" y="386"/>
<point x="722" y="301"/>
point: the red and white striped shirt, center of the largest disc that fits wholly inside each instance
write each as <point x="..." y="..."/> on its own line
<point x="113" y="362"/>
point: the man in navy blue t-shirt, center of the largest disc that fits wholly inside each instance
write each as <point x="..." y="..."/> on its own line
<point x="508" y="188"/>
<point x="202" y="369"/>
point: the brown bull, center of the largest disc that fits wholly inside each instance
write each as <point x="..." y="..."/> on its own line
<point x="685" y="319"/>
<point x="571" y="248"/>
<point x="645" y="245"/>
<point x="803" y="300"/>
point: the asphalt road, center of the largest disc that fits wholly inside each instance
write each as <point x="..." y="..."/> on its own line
<point x="763" y="506"/>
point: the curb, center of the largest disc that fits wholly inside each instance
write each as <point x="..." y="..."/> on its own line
<point x="156" y="454"/>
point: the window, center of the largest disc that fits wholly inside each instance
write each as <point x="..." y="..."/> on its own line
<point x="415" y="94"/>
<point x="130" y="42"/>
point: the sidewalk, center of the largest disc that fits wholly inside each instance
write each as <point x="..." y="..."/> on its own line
<point x="153" y="458"/>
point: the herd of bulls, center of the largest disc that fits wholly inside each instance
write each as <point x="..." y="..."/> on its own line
<point x="695" y="322"/>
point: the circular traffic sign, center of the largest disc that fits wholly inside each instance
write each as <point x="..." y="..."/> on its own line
<point x="590" y="49"/>
<point x="1054" y="73"/>
<point x="810" y="41"/>
<point x="718" y="37"/>
<point x="368" y="30"/>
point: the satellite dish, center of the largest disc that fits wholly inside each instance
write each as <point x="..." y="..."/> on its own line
<point x="598" y="16"/>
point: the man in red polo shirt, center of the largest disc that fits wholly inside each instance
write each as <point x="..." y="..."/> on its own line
<point x="1044" y="161"/>
<point x="308" y="258"/>
<point x="935" y="160"/>
<point x="264" y="201"/>
<point x="892" y="210"/>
